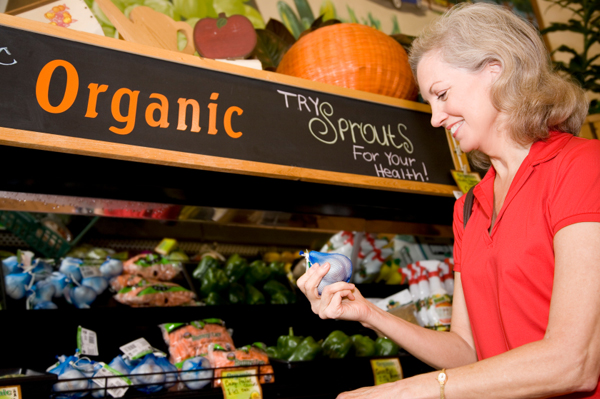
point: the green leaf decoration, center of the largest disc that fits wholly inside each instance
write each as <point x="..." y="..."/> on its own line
<point x="289" y="18"/>
<point x="269" y="49"/>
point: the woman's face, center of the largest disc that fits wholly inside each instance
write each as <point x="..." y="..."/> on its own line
<point x="460" y="101"/>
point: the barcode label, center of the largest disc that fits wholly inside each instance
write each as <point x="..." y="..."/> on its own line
<point x="90" y="271"/>
<point x="116" y="383"/>
<point x="136" y="349"/>
<point x="87" y="342"/>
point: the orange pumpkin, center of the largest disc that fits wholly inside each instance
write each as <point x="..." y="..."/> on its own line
<point x="353" y="56"/>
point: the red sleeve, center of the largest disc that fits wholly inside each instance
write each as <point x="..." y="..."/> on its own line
<point x="575" y="197"/>
<point x="457" y="226"/>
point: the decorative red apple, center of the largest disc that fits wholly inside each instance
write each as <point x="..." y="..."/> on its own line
<point x="223" y="37"/>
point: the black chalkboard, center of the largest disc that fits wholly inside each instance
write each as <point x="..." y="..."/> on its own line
<point x="75" y="89"/>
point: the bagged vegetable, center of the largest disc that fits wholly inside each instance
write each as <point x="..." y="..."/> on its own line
<point x="129" y="280"/>
<point x="340" y="267"/>
<point x="154" y="294"/>
<point x="223" y="360"/>
<point x="153" y="266"/>
<point x="74" y="383"/>
<point x="196" y="372"/>
<point x="187" y="340"/>
<point x="148" y="376"/>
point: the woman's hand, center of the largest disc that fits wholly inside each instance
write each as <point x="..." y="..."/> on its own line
<point x="338" y="301"/>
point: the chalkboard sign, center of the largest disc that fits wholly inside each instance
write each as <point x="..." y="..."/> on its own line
<point x="93" y="93"/>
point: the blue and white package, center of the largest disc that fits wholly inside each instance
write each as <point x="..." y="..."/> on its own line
<point x="196" y="372"/>
<point x="73" y="383"/>
<point x="80" y="296"/>
<point x="17" y="284"/>
<point x="70" y="267"/>
<point x="169" y="369"/>
<point x="97" y="283"/>
<point x="11" y="265"/>
<point x="111" y="268"/>
<point x="340" y="267"/>
<point x="148" y="376"/>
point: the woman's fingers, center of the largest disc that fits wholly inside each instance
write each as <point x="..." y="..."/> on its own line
<point x="313" y="280"/>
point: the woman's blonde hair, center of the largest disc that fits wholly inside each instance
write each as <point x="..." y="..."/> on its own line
<point x="534" y="97"/>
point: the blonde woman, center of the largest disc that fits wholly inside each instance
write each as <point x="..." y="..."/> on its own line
<point x="526" y="311"/>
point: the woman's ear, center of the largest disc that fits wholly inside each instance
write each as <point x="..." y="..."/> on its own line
<point x="494" y="68"/>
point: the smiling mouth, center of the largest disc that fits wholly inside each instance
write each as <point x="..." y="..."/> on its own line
<point x="454" y="128"/>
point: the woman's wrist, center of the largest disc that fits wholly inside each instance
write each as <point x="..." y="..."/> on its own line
<point x="373" y="316"/>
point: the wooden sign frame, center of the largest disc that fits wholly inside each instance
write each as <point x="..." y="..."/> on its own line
<point x="98" y="148"/>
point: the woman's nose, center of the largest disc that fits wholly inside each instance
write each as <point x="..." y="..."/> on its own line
<point x="437" y="117"/>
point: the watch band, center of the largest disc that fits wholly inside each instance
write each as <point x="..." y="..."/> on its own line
<point x="442" y="378"/>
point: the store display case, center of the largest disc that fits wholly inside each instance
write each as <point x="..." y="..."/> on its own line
<point x="281" y="187"/>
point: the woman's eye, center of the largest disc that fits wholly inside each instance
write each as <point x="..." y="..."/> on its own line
<point x="442" y="96"/>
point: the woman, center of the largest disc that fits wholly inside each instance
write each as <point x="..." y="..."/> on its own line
<point x="527" y="266"/>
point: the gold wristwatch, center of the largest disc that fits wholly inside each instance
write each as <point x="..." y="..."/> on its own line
<point x="442" y="379"/>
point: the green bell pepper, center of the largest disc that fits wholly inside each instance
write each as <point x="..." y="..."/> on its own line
<point x="385" y="347"/>
<point x="277" y="269"/>
<point x="273" y="352"/>
<point x="308" y="349"/>
<point x="279" y="293"/>
<point x="287" y="344"/>
<point x="254" y="296"/>
<point x="214" y="298"/>
<point x="214" y="280"/>
<point x="279" y="298"/>
<point x="235" y="267"/>
<point x="237" y="294"/>
<point x="205" y="263"/>
<point x="257" y="271"/>
<point x="364" y="346"/>
<point x="337" y="345"/>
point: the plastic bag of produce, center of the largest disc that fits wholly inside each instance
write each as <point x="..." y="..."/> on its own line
<point x="187" y="340"/>
<point x="73" y="383"/>
<point x="340" y="267"/>
<point x="196" y="372"/>
<point x="154" y="294"/>
<point x="223" y="360"/>
<point x="148" y="376"/>
<point x="153" y="266"/>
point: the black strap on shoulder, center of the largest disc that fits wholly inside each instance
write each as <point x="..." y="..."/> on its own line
<point x="468" y="207"/>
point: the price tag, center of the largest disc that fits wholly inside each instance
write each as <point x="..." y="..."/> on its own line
<point x="12" y="392"/>
<point x="87" y="342"/>
<point x="137" y="349"/>
<point x="386" y="370"/>
<point x="465" y="180"/>
<point x="242" y="384"/>
<point x="116" y="383"/>
<point x="90" y="271"/>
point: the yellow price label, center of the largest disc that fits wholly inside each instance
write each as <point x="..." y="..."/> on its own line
<point x="12" y="392"/>
<point x="386" y="370"/>
<point x="241" y="384"/>
<point x="465" y="180"/>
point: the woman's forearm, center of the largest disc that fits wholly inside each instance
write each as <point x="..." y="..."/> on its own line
<point x="536" y="370"/>
<point x="436" y="348"/>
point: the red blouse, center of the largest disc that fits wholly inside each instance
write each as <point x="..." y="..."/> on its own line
<point x="507" y="276"/>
